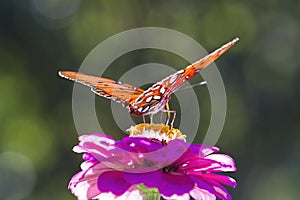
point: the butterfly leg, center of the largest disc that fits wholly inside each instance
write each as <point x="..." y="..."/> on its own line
<point x="151" y="118"/>
<point x="174" y="116"/>
<point x="161" y="116"/>
<point x="169" y="117"/>
<point x="144" y="120"/>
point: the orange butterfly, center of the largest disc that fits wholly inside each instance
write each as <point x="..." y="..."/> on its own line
<point x="156" y="97"/>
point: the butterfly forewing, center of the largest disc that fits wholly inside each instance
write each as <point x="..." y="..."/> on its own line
<point x="108" y="88"/>
<point x="154" y="98"/>
<point x="174" y="81"/>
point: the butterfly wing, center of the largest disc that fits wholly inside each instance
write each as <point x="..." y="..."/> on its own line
<point x="154" y="98"/>
<point x="174" y="81"/>
<point x="108" y="88"/>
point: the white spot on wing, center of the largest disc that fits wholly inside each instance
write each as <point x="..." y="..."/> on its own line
<point x="140" y="109"/>
<point x="149" y="99"/>
<point x="162" y="90"/>
<point x="156" y="97"/>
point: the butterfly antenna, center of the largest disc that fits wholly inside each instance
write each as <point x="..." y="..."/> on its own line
<point x="191" y="86"/>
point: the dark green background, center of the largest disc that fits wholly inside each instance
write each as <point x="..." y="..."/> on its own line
<point x="261" y="75"/>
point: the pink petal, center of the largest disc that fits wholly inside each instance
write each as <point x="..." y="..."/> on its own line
<point x="84" y="189"/>
<point x="206" y="150"/>
<point x="200" y="194"/>
<point x="211" y="186"/>
<point x="131" y="193"/>
<point x="97" y="138"/>
<point x="220" y="191"/>
<point x="177" y="197"/>
<point x="226" y="180"/>
<point x="84" y="184"/>
<point x="227" y="163"/>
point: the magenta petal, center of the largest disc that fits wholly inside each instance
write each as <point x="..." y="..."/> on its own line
<point x="149" y="179"/>
<point x="174" y="184"/>
<point x="138" y="145"/>
<point x="202" y="184"/>
<point x="226" y="180"/>
<point x="169" y="153"/>
<point x="203" y="150"/>
<point x="196" y="165"/>
<point x="113" y="181"/>
<point x="178" y="170"/>
<point x="89" y="158"/>
<point x="167" y="184"/>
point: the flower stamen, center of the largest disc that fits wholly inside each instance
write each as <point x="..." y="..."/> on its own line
<point x="160" y="132"/>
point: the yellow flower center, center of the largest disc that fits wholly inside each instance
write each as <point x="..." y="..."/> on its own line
<point x="160" y="132"/>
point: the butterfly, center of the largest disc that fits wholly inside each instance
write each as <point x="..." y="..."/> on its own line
<point x="149" y="101"/>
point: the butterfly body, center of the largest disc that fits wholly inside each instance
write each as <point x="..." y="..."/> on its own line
<point x="152" y="100"/>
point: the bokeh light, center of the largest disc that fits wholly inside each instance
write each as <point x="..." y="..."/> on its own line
<point x="17" y="176"/>
<point x="54" y="14"/>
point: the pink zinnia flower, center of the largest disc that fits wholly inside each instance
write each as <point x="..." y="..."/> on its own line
<point x="179" y="170"/>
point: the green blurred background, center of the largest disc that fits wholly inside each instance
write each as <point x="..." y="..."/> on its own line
<point x="261" y="76"/>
